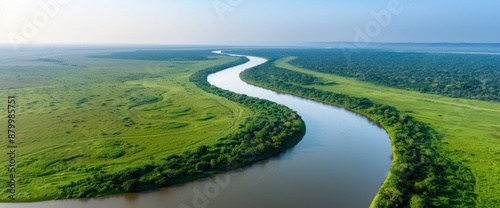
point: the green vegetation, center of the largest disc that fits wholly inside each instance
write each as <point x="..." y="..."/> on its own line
<point x="99" y="126"/>
<point x="455" y="75"/>
<point x="468" y="128"/>
<point x="281" y="76"/>
<point x="158" y="55"/>
<point x="273" y="129"/>
<point x="420" y="173"/>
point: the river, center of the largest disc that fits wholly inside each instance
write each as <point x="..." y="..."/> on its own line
<point x="341" y="162"/>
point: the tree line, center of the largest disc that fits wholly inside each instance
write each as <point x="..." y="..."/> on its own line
<point x="454" y="75"/>
<point x="421" y="175"/>
<point x="470" y="76"/>
<point x="159" y="55"/>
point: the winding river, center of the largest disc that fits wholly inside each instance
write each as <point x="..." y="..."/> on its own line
<point x="341" y="162"/>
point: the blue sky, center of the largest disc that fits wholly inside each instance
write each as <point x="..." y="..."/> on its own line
<point x="246" y="21"/>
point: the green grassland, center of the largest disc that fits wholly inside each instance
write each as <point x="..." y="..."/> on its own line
<point x="79" y="115"/>
<point x="470" y="128"/>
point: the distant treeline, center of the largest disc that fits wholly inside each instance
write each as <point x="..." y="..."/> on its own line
<point x="471" y="76"/>
<point x="287" y="76"/>
<point x="273" y="129"/>
<point x="421" y="175"/>
<point x="160" y="55"/>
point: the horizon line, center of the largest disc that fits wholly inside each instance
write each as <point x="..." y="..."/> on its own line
<point x="242" y="43"/>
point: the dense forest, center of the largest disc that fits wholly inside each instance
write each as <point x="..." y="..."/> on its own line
<point x="471" y="76"/>
<point x="299" y="78"/>
<point x="421" y="175"/>
<point x="159" y="55"/>
<point x="273" y="129"/>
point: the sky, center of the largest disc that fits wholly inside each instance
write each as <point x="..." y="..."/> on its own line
<point x="247" y="21"/>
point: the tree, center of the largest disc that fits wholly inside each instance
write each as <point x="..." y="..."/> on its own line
<point x="130" y="185"/>
<point x="417" y="201"/>
<point x="203" y="150"/>
<point x="202" y="166"/>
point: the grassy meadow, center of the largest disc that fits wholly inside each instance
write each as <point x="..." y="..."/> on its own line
<point x="470" y="129"/>
<point x="78" y="115"/>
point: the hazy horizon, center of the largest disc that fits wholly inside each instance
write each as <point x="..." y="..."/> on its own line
<point x="242" y="22"/>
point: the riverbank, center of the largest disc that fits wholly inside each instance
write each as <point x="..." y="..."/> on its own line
<point x="415" y="145"/>
<point x="297" y="175"/>
<point x="250" y="89"/>
<point x="106" y="115"/>
<point x="467" y="128"/>
<point x="230" y="152"/>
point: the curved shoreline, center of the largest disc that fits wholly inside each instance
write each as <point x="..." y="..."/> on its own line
<point x="389" y="132"/>
<point x="228" y="153"/>
<point x="410" y="171"/>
